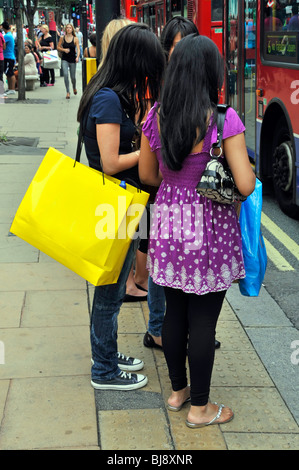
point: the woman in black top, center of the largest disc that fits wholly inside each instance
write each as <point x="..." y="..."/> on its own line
<point x="70" y="48"/>
<point x="91" y="51"/>
<point x="46" y="44"/>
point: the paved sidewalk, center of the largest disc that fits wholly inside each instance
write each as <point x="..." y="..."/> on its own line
<point x="46" y="400"/>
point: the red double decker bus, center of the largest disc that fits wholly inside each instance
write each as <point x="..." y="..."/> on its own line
<point x="128" y="10"/>
<point x="261" y="52"/>
<point x="259" y="41"/>
<point x="206" y="14"/>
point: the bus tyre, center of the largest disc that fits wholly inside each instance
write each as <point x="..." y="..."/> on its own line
<point x="283" y="171"/>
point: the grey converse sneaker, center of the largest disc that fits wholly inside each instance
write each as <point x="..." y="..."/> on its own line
<point x="124" y="381"/>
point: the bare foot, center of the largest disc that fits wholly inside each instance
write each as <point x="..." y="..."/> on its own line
<point x="133" y="290"/>
<point x="177" y="399"/>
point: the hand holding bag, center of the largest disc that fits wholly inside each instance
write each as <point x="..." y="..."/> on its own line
<point x="217" y="182"/>
<point x="253" y="246"/>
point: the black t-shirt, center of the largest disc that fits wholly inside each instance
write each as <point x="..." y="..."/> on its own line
<point x="46" y="42"/>
<point x="106" y="108"/>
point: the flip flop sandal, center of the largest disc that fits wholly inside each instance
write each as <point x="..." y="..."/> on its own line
<point x="213" y="421"/>
<point x="140" y="287"/>
<point x="134" y="298"/>
<point x="178" y="408"/>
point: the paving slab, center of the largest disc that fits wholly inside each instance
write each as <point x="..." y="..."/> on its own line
<point x="38" y="276"/>
<point x="15" y="250"/>
<point x="262" y="441"/>
<point x="30" y="352"/>
<point x="134" y="430"/>
<point x="4" y="387"/>
<point x="55" y="309"/>
<point x="256" y="311"/>
<point x="11" y="306"/>
<point x="278" y="356"/>
<point x="49" y="413"/>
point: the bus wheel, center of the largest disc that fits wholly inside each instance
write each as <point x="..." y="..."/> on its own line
<point x="283" y="170"/>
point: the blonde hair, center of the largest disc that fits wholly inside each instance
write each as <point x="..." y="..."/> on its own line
<point x="111" y="29"/>
<point x="45" y="26"/>
<point x="73" y="29"/>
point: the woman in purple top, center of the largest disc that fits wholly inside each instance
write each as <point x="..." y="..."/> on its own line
<point x="195" y="248"/>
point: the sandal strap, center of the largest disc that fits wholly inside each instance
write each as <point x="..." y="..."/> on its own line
<point x="220" y="408"/>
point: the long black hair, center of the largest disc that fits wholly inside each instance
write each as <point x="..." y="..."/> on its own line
<point x="190" y="93"/>
<point x="177" y="24"/>
<point x="133" y="68"/>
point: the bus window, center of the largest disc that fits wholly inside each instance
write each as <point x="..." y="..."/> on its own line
<point x="185" y="9"/>
<point x="160" y="19"/>
<point x="232" y="65"/>
<point x="149" y="16"/>
<point x="280" y="32"/>
<point x="250" y="74"/>
<point x="217" y="10"/>
<point x="177" y="7"/>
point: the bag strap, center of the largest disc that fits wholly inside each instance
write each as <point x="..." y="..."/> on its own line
<point x="79" y="144"/>
<point x="82" y="127"/>
<point x="221" y="110"/>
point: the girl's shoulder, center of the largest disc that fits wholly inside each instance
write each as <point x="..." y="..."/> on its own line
<point x="151" y="117"/>
<point x="106" y="102"/>
<point x="150" y="128"/>
<point x="232" y="125"/>
<point x="109" y="96"/>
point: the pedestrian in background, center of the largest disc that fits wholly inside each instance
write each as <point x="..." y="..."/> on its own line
<point x="114" y="102"/>
<point x="46" y="44"/>
<point x="2" y="47"/>
<point x="29" y="62"/>
<point x="9" y="59"/>
<point x="91" y="51"/>
<point x="111" y="28"/>
<point x="200" y="255"/>
<point x="175" y="29"/>
<point x="69" y="46"/>
<point x="80" y="39"/>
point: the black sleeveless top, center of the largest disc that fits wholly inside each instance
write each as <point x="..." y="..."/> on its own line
<point x="71" y="56"/>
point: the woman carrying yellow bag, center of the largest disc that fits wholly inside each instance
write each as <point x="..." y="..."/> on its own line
<point x="113" y="104"/>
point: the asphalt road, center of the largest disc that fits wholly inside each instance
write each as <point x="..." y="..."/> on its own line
<point x="281" y="234"/>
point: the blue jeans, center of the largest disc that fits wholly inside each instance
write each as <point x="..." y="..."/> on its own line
<point x="156" y="305"/>
<point x="103" y="331"/>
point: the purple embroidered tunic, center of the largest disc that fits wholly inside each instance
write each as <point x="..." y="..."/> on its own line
<point x="195" y="244"/>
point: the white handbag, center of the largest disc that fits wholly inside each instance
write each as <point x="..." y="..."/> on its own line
<point x="51" y="60"/>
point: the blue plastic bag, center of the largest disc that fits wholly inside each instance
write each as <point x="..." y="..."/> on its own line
<point x="254" y="250"/>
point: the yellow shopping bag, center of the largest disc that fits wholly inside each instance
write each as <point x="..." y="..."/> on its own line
<point x="80" y="217"/>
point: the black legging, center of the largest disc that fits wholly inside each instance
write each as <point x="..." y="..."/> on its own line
<point x="190" y="320"/>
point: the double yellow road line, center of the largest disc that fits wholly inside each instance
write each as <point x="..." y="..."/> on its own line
<point x="278" y="260"/>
